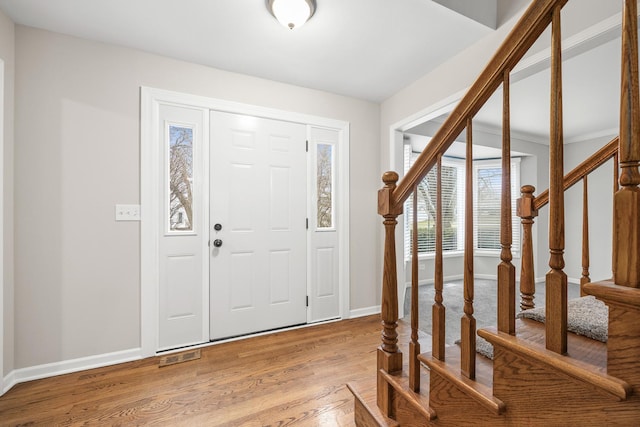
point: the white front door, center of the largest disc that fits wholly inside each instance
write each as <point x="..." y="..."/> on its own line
<point x="257" y="253"/>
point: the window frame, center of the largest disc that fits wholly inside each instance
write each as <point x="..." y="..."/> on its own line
<point x="516" y="234"/>
<point x="332" y="178"/>
<point x="409" y="158"/>
<point x="195" y="178"/>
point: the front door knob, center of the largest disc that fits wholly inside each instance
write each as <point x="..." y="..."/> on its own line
<point x="217" y="243"/>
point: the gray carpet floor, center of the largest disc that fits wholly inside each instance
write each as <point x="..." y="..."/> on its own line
<point x="485" y="305"/>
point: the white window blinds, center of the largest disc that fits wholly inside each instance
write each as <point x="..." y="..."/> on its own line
<point x="487" y="186"/>
<point x="452" y="191"/>
<point x="487" y="204"/>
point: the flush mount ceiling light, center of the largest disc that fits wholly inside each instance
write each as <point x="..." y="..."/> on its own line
<point x="292" y="13"/>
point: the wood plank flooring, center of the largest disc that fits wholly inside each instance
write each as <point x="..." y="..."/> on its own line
<point x="287" y="378"/>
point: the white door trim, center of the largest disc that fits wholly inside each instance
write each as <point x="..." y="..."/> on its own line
<point x="151" y="98"/>
<point x="2" y="331"/>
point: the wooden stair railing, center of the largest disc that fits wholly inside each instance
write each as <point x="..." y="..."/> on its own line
<point x="391" y="198"/>
<point x="529" y="205"/>
<point x="626" y="262"/>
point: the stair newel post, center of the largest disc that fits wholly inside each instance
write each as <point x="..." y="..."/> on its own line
<point x="527" y="212"/>
<point x="506" y="269"/>
<point x="389" y="356"/>
<point x="626" y="270"/>
<point x="585" y="236"/>
<point x="556" y="279"/>
<point x="438" y="310"/>
<point x="468" y="322"/>
<point x="414" y="345"/>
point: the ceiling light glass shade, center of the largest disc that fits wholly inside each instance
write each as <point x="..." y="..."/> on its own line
<point x="292" y="13"/>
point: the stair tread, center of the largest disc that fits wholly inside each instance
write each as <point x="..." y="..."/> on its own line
<point x="608" y="290"/>
<point x="480" y="388"/>
<point x="579" y="347"/>
<point x="585" y="360"/>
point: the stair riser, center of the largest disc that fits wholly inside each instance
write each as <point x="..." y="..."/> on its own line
<point x="624" y="344"/>
<point x="535" y="392"/>
<point x="534" y="395"/>
<point x="406" y="414"/>
<point x="362" y="416"/>
<point x="455" y="408"/>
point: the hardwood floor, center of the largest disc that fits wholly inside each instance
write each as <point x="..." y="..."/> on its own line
<point x="287" y="378"/>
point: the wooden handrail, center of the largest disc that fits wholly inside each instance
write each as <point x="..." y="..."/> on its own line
<point x="532" y="23"/>
<point x="582" y="170"/>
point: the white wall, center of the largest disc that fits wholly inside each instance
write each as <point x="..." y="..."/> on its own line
<point x="7" y="31"/>
<point x="77" y="154"/>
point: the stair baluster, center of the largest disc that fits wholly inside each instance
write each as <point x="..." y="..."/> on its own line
<point x="438" y="310"/>
<point x="616" y="187"/>
<point x="527" y="212"/>
<point x="468" y="322"/>
<point x="506" y="270"/>
<point x="556" y="279"/>
<point x="414" y="345"/>
<point x="585" y="236"/>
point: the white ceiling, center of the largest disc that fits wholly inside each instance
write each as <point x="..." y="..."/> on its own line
<point x="590" y="95"/>
<point x="368" y="49"/>
<point x="590" y="98"/>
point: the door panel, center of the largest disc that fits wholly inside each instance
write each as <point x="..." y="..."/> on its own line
<point x="258" y="196"/>
<point x="324" y="294"/>
<point x="183" y="288"/>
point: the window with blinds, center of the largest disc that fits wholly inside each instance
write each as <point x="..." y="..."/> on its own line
<point x="487" y="187"/>
<point x="452" y="194"/>
<point x="487" y="183"/>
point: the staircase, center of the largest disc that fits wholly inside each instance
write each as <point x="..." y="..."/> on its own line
<point x="540" y="373"/>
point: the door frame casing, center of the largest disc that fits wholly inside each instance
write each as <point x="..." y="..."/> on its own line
<point x="150" y="100"/>
<point x="2" y="326"/>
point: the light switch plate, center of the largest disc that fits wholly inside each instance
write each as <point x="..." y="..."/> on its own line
<point x="127" y="212"/>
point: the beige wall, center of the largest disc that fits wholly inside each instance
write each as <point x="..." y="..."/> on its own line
<point x="78" y="154"/>
<point x="7" y="31"/>
<point x="77" y="278"/>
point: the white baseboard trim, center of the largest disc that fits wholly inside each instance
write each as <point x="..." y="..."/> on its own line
<point x="486" y="276"/>
<point x="432" y="281"/>
<point x="570" y="280"/>
<point x="367" y="311"/>
<point x="68" y="366"/>
<point x="9" y="381"/>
